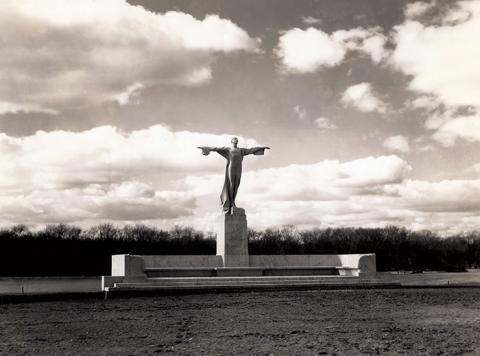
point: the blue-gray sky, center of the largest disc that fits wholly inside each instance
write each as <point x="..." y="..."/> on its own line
<point x="371" y="109"/>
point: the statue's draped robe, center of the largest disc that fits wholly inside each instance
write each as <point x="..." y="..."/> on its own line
<point x="233" y="171"/>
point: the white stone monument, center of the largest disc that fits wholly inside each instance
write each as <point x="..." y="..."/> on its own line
<point x="232" y="267"/>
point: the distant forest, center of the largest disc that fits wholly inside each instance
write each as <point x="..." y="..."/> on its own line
<point x="64" y="250"/>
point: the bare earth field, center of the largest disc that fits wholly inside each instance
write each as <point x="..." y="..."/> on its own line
<point x="400" y="321"/>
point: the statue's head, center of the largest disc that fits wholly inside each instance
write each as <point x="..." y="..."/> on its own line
<point x="234" y="141"/>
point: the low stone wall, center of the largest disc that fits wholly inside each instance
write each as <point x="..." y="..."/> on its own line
<point x="134" y="265"/>
<point x="366" y="263"/>
<point x="48" y="285"/>
<point x="433" y="278"/>
<point x="352" y="260"/>
<point x="182" y="261"/>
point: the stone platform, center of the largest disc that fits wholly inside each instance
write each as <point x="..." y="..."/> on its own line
<point x="134" y="271"/>
<point x="229" y="284"/>
<point x="233" y="267"/>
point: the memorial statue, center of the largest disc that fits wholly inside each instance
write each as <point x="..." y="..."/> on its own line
<point x="233" y="172"/>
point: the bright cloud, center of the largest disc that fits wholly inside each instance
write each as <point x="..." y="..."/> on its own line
<point x="444" y="68"/>
<point x="428" y="103"/>
<point x="418" y="9"/>
<point x="445" y="196"/>
<point x="132" y="91"/>
<point x="324" y="124"/>
<point x="397" y="143"/>
<point x="362" y="97"/>
<point x="94" y="202"/>
<point x="369" y="192"/>
<point x="445" y="206"/>
<point x="370" y="41"/>
<point x="326" y="196"/>
<point x="100" y="155"/>
<point x="306" y="51"/>
<point x="462" y="127"/>
<point x="102" y="173"/>
<point x="322" y="181"/>
<point x="442" y="59"/>
<point x="15" y="108"/>
<point x="310" y="20"/>
<point x="156" y="175"/>
<point x="103" y="51"/>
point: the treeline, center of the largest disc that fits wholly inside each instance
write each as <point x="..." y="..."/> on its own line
<point x="64" y="250"/>
<point x="396" y="248"/>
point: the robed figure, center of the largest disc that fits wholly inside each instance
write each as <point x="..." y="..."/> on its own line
<point x="233" y="172"/>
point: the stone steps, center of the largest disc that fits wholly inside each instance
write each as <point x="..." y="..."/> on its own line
<point x="226" y="284"/>
<point x="251" y="271"/>
<point x="242" y="279"/>
<point x="241" y="283"/>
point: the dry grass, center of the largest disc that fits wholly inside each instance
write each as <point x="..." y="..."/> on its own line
<point x="413" y="321"/>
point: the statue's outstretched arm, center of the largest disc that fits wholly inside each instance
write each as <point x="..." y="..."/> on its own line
<point x="206" y="150"/>
<point x="222" y="151"/>
<point x="255" y="150"/>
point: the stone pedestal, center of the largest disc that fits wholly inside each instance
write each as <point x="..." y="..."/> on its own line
<point x="232" y="238"/>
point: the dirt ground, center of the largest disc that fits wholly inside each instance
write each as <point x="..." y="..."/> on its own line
<point x="353" y="322"/>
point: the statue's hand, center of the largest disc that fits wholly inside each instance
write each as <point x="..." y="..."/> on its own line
<point x="205" y="150"/>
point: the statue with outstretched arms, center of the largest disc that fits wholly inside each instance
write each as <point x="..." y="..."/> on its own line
<point x="234" y="156"/>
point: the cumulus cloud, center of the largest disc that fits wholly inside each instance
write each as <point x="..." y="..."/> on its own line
<point x="418" y="9"/>
<point x="424" y="144"/>
<point x="15" y="108"/>
<point x="131" y="92"/>
<point x="362" y="97"/>
<point x="103" y="51"/>
<point x="370" y="41"/>
<point x="397" y="143"/>
<point x="156" y="175"/>
<point x="306" y="51"/>
<point x="327" y="180"/>
<point x="444" y="70"/>
<point x="102" y="173"/>
<point x="474" y="168"/>
<point x="300" y="112"/>
<point x="453" y="196"/>
<point x="445" y="206"/>
<point x="101" y="155"/>
<point x="310" y="20"/>
<point x="462" y="127"/>
<point x="116" y="202"/>
<point x="424" y="102"/>
<point x="324" y="124"/>
<point x="368" y="192"/>
<point x="442" y="59"/>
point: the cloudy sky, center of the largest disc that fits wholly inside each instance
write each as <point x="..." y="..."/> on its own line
<point x="371" y="108"/>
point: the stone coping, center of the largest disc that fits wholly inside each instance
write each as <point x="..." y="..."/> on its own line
<point x="245" y="268"/>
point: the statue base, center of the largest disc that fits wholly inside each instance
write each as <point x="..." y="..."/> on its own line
<point x="232" y="238"/>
